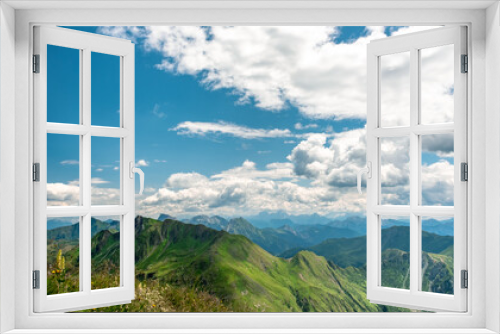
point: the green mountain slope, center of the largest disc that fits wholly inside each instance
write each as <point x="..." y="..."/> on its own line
<point x="72" y="232"/>
<point x="352" y="251"/>
<point x="183" y="267"/>
<point x="241" y="274"/>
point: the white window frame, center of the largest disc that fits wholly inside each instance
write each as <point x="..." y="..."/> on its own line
<point x="483" y="308"/>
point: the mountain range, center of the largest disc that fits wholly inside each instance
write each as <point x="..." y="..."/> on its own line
<point x="188" y="267"/>
<point x="274" y="240"/>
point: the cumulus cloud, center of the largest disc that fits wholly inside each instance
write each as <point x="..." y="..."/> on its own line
<point x="204" y="128"/>
<point x="438" y="183"/>
<point x="68" y="194"/>
<point x="319" y="176"/>
<point x="274" y="67"/>
<point x="242" y="190"/>
<point x="442" y="145"/>
<point x="142" y="163"/>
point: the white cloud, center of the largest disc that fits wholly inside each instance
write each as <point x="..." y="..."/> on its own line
<point x="274" y="67"/>
<point x="142" y="163"/>
<point x="300" y="126"/>
<point x="156" y="111"/>
<point x="160" y="160"/>
<point x="99" y="169"/>
<point x="70" y="162"/>
<point x="97" y="180"/>
<point x="241" y="190"/>
<point x="66" y="194"/>
<point x="320" y="177"/>
<point x="204" y="128"/>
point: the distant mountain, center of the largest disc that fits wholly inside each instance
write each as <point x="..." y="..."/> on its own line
<point x="280" y="218"/>
<point x="164" y="216"/>
<point x="358" y="224"/>
<point x="55" y="223"/>
<point x="72" y="232"/>
<point x="215" y="222"/>
<point x="347" y="252"/>
<point x="355" y="223"/>
<point x="274" y="240"/>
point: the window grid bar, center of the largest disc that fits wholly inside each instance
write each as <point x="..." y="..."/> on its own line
<point x="81" y="273"/>
<point x="86" y="182"/>
<point x="74" y="211"/>
<point x="78" y="129"/>
<point x="414" y="170"/>
<point x="417" y="129"/>
<point x="405" y="210"/>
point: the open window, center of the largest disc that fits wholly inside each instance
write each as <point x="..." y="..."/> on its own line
<point x="417" y="102"/>
<point x="74" y="128"/>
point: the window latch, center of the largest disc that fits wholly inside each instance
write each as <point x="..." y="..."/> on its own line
<point x="132" y="171"/>
<point x="368" y="171"/>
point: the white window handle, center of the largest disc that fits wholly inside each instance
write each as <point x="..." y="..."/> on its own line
<point x="134" y="170"/>
<point x="368" y="171"/>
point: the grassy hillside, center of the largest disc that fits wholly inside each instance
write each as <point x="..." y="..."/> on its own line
<point x="347" y="252"/>
<point x="182" y="267"/>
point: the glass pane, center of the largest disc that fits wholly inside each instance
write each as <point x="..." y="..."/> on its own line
<point x="63" y="170"/>
<point x="63" y="85"/>
<point x="437" y="84"/>
<point x="437" y="255"/>
<point x="437" y="169"/>
<point x="105" y="252"/>
<point x="63" y="246"/>
<point x="105" y="171"/>
<point x="395" y="90"/>
<point x="105" y="90"/>
<point x="395" y="170"/>
<point x="395" y="245"/>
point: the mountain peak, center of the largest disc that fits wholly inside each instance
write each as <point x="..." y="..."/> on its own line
<point x="164" y="216"/>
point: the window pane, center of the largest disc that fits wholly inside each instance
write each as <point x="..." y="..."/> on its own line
<point x="63" y="170"/>
<point x="395" y="90"/>
<point x="63" y="246"/>
<point x="395" y="252"/>
<point x="105" y="171"/>
<point x="437" y="84"/>
<point x="437" y="169"/>
<point x="395" y="170"/>
<point x="437" y="255"/>
<point x="105" y="252"/>
<point x="105" y="90"/>
<point x="63" y="85"/>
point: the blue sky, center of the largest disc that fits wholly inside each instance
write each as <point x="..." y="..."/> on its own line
<point x="169" y="96"/>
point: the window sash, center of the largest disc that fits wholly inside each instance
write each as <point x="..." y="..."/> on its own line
<point x="413" y="298"/>
<point x="85" y="298"/>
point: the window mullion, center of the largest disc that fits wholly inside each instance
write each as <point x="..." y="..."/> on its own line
<point x="414" y="172"/>
<point x="85" y="240"/>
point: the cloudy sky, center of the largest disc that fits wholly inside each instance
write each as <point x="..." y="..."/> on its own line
<point x="238" y="120"/>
